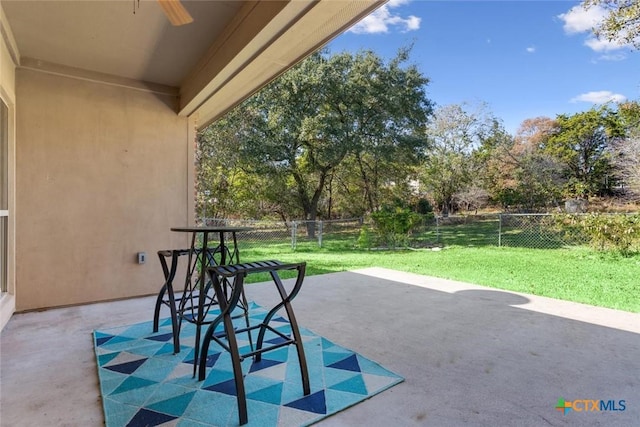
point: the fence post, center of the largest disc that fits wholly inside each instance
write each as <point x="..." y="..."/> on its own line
<point x="500" y="230"/>
<point x="294" y="233"/>
<point x="320" y="227"/>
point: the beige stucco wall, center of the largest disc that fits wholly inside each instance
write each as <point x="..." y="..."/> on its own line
<point x="103" y="172"/>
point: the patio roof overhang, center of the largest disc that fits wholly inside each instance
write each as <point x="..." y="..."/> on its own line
<point x="230" y="50"/>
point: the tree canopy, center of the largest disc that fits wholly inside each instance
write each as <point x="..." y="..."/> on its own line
<point x="455" y="134"/>
<point x="622" y="22"/>
<point x="581" y="142"/>
<point x="328" y="111"/>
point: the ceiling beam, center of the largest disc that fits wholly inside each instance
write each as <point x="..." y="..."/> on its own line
<point x="225" y="54"/>
<point x="243" y="59"/>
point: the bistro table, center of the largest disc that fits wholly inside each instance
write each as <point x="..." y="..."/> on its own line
<point x="195" y="302"/>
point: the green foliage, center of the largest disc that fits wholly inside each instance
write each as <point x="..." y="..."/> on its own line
<point x="423" y="206"/>
<point x="365" y="240"/>
<point x="455" y="135"/>
<point x="353" y="120"/>
<point x="620" y="233"/>
<point x="627" y="150"/>
<point x="582" y="144"/>
<point x="629" y="115"/>
<point x="621" y="23"/>
<point x="392" y="225"/>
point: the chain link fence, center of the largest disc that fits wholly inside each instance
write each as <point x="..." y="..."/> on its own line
<point x="469" y="230"/>
<point x="544" y="231"/>
<point x="297" y="234"/>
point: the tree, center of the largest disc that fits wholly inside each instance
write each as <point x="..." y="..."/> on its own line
<point x="582" y="143"/>
<point x="627" y="150"/>
<point x="454" y="135"/>
<point x="622" y="20"/>
<point x="519" y="173"/>
<point x="629" y="116"/>
<point x="221" y="182"/>
<point x="628" y="163"/>
<point x="299" y="129"/>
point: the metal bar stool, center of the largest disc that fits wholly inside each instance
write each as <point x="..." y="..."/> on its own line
<point x="232" y="276"/>
<point x="196" y="298"/>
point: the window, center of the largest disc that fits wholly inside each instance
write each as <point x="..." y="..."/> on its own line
<point x="4" y="193"/>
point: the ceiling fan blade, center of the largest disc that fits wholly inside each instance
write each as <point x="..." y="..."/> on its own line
<point x="176" y="12"/>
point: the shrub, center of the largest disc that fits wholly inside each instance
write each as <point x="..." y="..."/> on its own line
<point x="617" y="232"/>
<point x="423" y="207"/>
<point x="393" y="225"/>
<point x="364" y="239"/>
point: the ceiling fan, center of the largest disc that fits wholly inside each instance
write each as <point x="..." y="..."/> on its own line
<point x="175" y="11"/>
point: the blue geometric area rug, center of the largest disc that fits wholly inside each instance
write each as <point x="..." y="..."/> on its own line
<point x="144" y="384"/>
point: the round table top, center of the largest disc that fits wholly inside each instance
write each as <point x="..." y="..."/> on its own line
<point x="213" y="229"/>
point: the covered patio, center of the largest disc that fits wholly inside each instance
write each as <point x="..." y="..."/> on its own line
<point x="469" y="355"/>
<point x="100" y="104"/>
<point x="100" y="110"/>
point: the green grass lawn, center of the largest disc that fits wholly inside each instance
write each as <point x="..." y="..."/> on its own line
<point x="575" y="274"/>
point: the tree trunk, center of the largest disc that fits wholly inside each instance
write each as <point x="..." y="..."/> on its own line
<point x="310" y="205"/>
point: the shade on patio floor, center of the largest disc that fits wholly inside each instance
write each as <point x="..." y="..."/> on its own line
<point x="470" y="355"/>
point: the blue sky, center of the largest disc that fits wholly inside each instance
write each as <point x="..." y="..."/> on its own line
<point x="524" y="59"/>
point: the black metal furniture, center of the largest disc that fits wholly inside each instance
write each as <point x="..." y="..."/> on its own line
<point x="194" y="303"/>
<point x="166" y="296"/>
<point x="228" y="284"/>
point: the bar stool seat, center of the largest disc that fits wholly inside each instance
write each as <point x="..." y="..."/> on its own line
<point x="228" y="284"/>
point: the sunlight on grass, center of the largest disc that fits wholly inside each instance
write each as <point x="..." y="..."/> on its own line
<point x="576" y="274"/>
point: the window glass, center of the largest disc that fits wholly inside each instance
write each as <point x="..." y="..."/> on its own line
<point x="4" y="191"/>
<point x="4" y="156"/>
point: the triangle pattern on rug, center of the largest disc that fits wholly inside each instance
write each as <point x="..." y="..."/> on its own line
<point x="147" y="418"/>
<point x="226" y="387"/>
<point x="270" y="394"/>
<point x="263" y="364"/>
<point x="349" y="364"/>
<point x="132" y="383"/>
<point x="127" y="367"/>
<point x="315" y="403"/>
<point x="163" y="337"/>
<point x="352" y="385"/>
<point x="106" y="358"/>
<point x="143" y="383"/>
<point x="174" y="406"/>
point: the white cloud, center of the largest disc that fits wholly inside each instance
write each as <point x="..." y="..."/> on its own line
<point x="599" y="45"/>
<point x="381" y="20"/>
<point x="579" y="20"/>
<point x="613" y="57"/>
<point x="413" y="23"/>
<point x="396" y="3"/>
<point x="531" y="49"/>
<point x="599" y="97"/>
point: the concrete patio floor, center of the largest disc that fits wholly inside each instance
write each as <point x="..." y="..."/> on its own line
<point x="470" y="355"/>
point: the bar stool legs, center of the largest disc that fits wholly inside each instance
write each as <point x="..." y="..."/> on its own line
<point x="233" y="276"/>
<point x="167" y="288"/>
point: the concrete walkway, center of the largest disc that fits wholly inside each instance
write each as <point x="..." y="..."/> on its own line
<point x="471" y="355"/>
